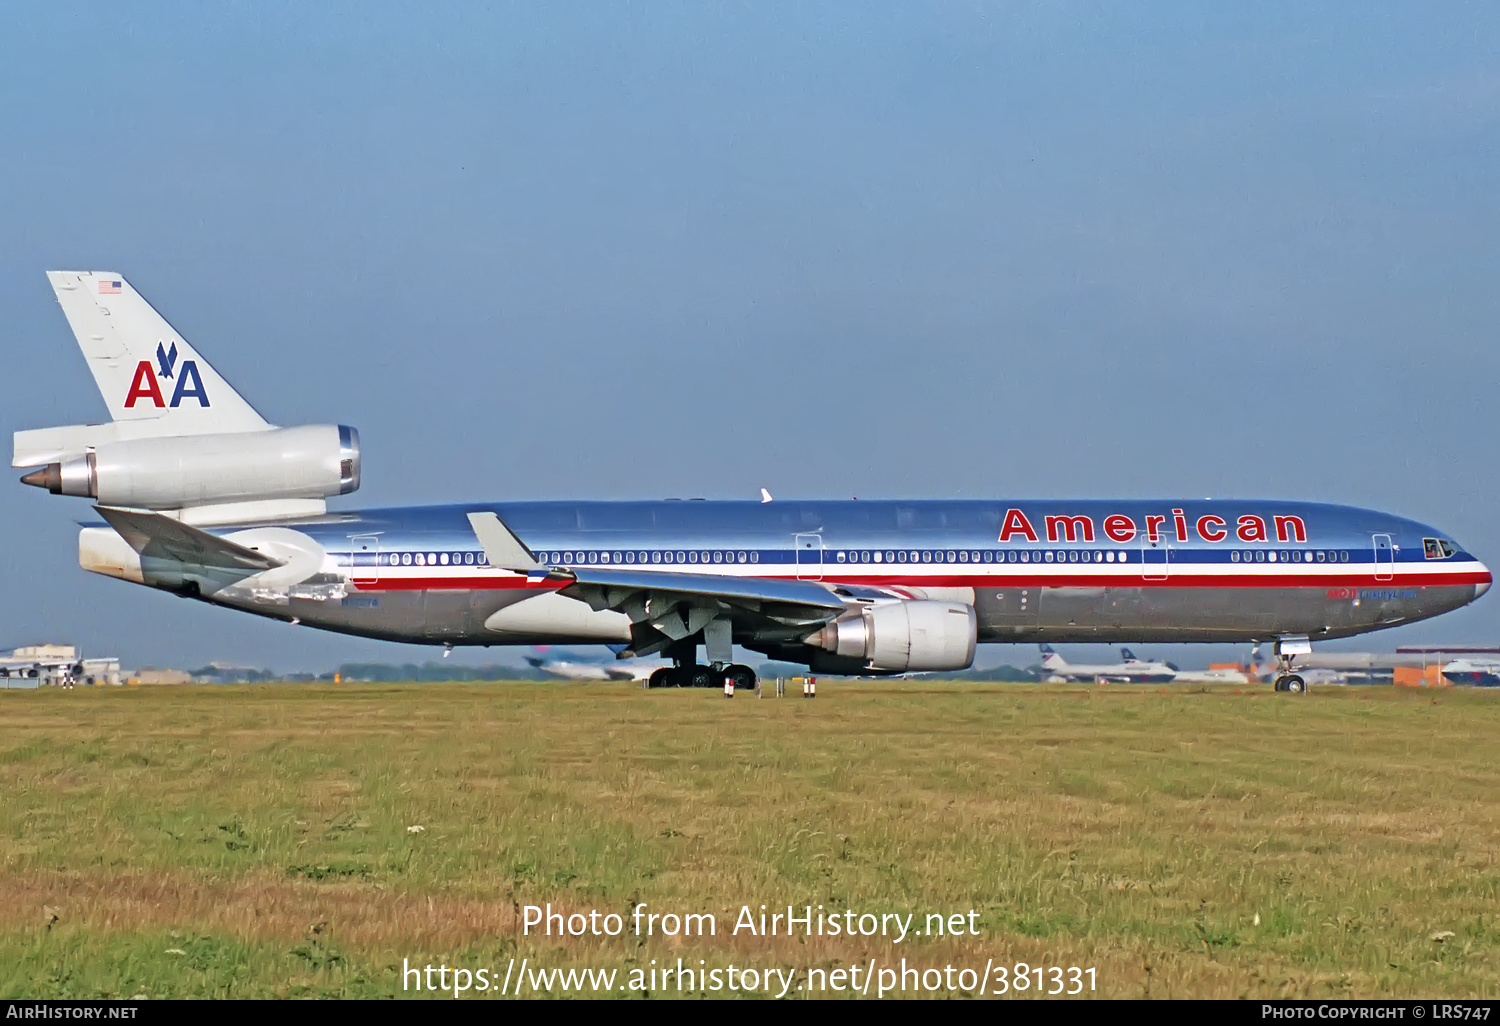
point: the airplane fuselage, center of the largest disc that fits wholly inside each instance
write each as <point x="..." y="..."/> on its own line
<point x="1055" y="571"/>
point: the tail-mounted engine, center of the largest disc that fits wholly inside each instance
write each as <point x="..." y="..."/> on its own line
<point x="310" y="462"/>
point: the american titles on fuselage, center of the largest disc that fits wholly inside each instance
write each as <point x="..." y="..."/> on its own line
<point x="1118" y="527"/>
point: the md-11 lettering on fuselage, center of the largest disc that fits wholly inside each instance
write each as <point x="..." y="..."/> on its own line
<point x="1118" y="527"/>
<point x="1372" y="593"/>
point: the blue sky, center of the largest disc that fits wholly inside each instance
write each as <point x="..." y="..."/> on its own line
<point x="630" y="251"/>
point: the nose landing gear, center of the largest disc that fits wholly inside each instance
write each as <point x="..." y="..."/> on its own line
<point x="1288" y="649"/>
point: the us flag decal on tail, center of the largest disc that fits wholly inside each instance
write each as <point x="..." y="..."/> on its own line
<point x="108" y="287"/>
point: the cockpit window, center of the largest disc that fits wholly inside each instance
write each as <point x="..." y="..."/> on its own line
<point x="1449" y="549"/>
<point x="1438" y="548"/>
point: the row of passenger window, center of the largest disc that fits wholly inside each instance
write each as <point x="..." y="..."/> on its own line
<point x="981" y="556"/>
<point x="1293" y="556"/>
<point x="1070" y="556"/>
<point x="435" y="559"/>
<point x="702" y="556"/>
<point x="570" y="558"/>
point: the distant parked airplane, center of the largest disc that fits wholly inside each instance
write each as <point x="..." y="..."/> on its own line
<point x="1130" y="671"/>
<point x="1211" y="677"/>
<point x="1484" y="673"/>
<point x="586" y="669"/>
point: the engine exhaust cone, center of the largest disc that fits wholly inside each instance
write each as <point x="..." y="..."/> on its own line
<point x="48" y="477"/>
<point x="826" y="637"/>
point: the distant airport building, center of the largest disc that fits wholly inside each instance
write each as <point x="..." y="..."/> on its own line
<point x="33" y="666"/>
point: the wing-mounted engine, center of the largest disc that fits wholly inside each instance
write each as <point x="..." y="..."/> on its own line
<point x="902" y="636"/>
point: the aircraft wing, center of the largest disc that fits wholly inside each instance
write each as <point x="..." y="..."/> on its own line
<point x="155" y="535"/>
<point x="664" y="605"/>
<point x="753" y="592"/>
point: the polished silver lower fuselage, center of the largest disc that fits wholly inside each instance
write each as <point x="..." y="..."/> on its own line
<point x="1161" y="613"/>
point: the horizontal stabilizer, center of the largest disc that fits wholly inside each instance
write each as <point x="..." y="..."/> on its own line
<point x="501" y="547"/>
<point x="159" y="536"/>
<point x="37" y="446"/>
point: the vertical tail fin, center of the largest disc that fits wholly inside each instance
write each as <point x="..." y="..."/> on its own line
<point x="1128" y="656"/>
<point x="144" y="369"/>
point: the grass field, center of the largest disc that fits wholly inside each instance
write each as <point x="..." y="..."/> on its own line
<point x="258" y="841"/>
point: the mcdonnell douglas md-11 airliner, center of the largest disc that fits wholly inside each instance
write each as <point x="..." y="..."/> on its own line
<point x="199" y="496"/>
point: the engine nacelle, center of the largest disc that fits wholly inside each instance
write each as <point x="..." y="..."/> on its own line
<point x="309" y="462"/>
<point x="901" y="636"/>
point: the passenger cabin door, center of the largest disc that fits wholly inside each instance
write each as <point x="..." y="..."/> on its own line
<point x="1156" y="557"/>
<point x="809" y="548"/>
<point x="364" y="558"/>
<point x="1385" y="557"/>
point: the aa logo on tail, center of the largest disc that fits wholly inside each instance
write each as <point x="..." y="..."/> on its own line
<point x="147" y="381"/>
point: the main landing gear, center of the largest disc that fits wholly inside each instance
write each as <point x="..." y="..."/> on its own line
<point x="690" y="676"/>
<point x="1288" y="649"/>
<point x="1291" y="682"/>
<point x="694" y="675"/>
<point x="687" y="672"/>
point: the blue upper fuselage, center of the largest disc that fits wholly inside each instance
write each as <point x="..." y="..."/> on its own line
<point x="1189" y="526"/>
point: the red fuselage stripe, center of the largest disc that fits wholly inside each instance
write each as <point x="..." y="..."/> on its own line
<point x="1180" y="580"/>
